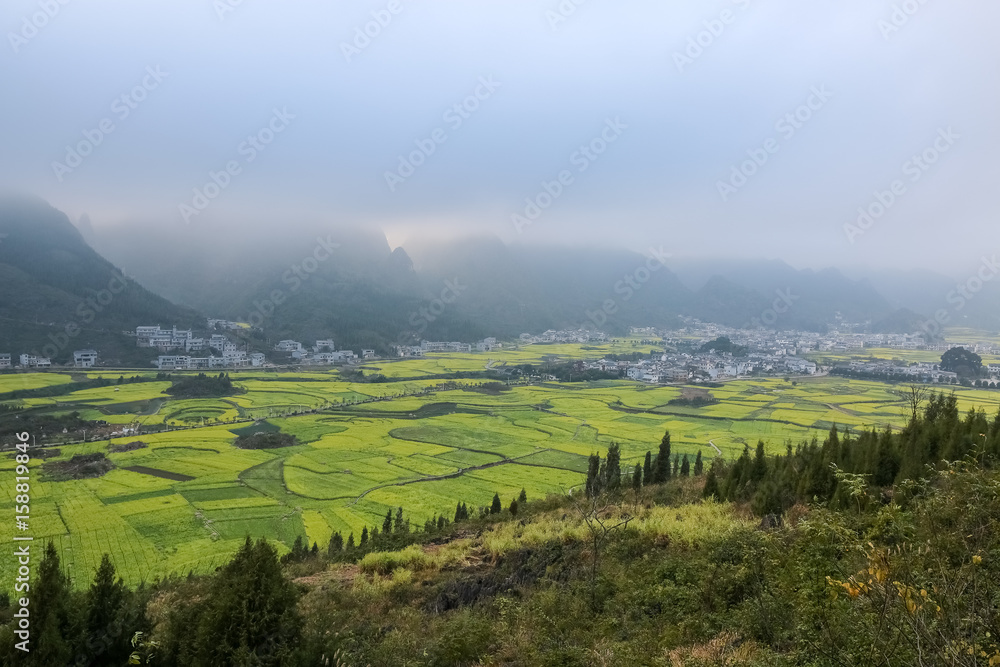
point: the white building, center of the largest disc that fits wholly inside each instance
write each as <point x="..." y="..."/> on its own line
<point x="85" y="358"/>
<point x="31" y="361"/>
<point x="367" y="354"/>
<point x="4" y="360"/>
<point x="288" y="346"/>
<point x="173" y="361"/>
<point x="257" y="359"/>
<point x="326" y="345"/>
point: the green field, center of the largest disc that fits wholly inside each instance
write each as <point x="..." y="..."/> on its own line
<point x="190" y="497"/>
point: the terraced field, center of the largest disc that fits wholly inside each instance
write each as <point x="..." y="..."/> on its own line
<point x="186" y="500"/>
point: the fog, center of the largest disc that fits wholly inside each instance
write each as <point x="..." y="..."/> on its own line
<point x="720" y="129"/>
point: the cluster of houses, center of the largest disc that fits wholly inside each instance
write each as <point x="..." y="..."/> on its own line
<point x="707" y="367"/>
<point x="918" y="372"/>
<point x="324" y="352"/>
<point x="564" y="336"/>
<point x="222" y="352"/>
<point x="485" y="345"/>
<point x="81" y="359"/>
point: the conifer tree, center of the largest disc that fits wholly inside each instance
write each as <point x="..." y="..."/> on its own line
<point x="699" y="465"/>
<point x="685" y="467"/>
<point x="637" y="477"/>
<point x="350" y="541"/>
<point x="336" y="545"/>
<point x="458" y="513"/>
<point x="513" y="507"/>
<point x="522" y="497"/>
<point x="387" y="523"/>
<point x="677" y="465"/>
<point x="250" y="616"/>
<point x="106" y="607"/>
<point x="613" y="470"/>
<point x="50" y="613"/>
<point x="496" y="506"/>
<point x="661" y="467"/>
<point x="647" y="469"/>
<point x="398" y="526"/>
<point x="364" y="536"/>
<point x="711" y="484"/>
<point x="593" y="475"/>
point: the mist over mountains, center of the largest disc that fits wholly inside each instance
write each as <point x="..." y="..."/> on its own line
<point x="350" y="283"/>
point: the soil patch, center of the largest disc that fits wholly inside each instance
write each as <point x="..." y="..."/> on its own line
<point x="162" y="474"/>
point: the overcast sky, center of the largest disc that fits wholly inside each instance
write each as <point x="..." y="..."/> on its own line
<point x="676" y="118"/>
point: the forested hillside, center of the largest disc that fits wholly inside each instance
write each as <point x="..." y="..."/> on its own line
<point x="58" y="295"/>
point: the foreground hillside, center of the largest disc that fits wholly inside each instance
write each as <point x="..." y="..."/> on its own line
<point x="641" y="569"/>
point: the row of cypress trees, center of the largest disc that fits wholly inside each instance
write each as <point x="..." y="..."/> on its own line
<point x="607" y="475"/>
<point x="882" y="458"/>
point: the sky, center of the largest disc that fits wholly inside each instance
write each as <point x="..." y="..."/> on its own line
<point x="730" y="128"/>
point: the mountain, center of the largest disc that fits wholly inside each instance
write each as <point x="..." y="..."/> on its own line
<point x="58" y="295"/>
<point x="350" y="284"/>
<point x="779" y="295"/>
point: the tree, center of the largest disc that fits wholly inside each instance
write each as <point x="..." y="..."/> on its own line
<point x="759" y="469"/>
<point x="601" y="522"/>
<point x="677" y="465"/>
<point x="637" y="478"/>
<point x="522" y="497"/>
<point x="336" y="545"/>
<point x="387" y="523"/>
<point x="647" y="469"/>
<point x="685" y="467"/>
<point x="513" y="507"/>
<point x="711" y="489"/>
<point x="661" y="467"/>
<point x="458" y="513"/>
<point x="50" y="613"/>
<point x="613" y="471"/>
<point x="107" y="609"/>
<point x="593" y="487"/>
<point x="364" y="536"/>
<point x="966" y="363"/>
<point x="399" y="525"/>
<point x="699" y="466"/>
<point x="350" y="541"/>
<point x="250" y="616"/>
<point x="496" y="506"/>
